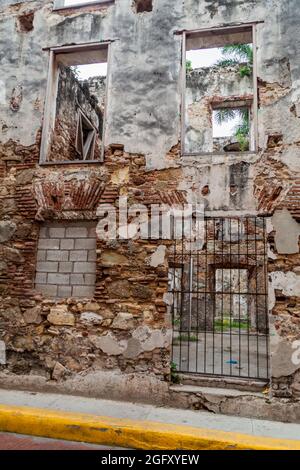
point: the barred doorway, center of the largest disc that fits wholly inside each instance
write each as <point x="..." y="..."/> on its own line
<point x="219" y="310"/>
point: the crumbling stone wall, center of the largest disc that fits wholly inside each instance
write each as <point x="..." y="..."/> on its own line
<point x="204" y="87"/>
<point x="125" y="326"/>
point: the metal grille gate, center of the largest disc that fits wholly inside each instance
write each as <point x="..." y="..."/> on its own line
<point x="219" y="311"/>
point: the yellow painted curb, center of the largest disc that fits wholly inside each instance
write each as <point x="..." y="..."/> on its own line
<point x="129" y="433"/>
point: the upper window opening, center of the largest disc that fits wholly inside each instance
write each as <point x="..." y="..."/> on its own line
<point x="76" y="3"/>
<point x="219" y="92"/>
<point x="74" y="116"/>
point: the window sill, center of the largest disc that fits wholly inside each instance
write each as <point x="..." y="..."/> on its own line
<point x="82" y="5"/>
<point x="219" y="154"/>
<point x="71" y="162"/>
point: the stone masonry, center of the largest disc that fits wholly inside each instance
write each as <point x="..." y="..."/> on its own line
<point x="66" y="260"/>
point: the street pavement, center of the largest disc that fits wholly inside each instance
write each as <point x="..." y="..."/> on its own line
<point x="10" y="441"/>
<point x="138" y="411"/>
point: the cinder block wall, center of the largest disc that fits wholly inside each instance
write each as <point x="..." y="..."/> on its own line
<point x="66" y="260"/>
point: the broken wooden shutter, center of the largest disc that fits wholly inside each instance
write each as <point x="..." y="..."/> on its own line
<point x="85" y="137"/>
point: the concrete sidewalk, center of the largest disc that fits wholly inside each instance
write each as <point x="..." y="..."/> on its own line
<point x="143" y="415"/>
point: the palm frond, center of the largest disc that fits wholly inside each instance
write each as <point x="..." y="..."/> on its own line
<point x="239" y="52"/>
<point x="227" y="114"/>
<point x="224" y="115"/>
<point x="226" y="62"/>
<point x="243" y="114"/>
<point x="242" y="129"/>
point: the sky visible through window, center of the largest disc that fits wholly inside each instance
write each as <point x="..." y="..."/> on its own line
<point x="204" y="57"/>
<point x="226" y="129"/>
<point x="84" y="72"/>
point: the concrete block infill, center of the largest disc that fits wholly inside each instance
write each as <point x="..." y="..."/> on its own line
<point x="84" y="267"/>
<point x="85" y="244"/>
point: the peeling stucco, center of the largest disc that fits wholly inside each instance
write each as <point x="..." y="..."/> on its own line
<point x="288" y="283"/>
<point x="158" y="257"/>
<point x="287" y="232"/>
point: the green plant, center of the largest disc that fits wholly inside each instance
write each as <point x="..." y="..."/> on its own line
<point x="224" y="115"/>
<point x="227" y="114"/>
<point x="242" y="131"/>
<point x="188" y="66"/>
<point x="243" y="141"/>
<point x="235" y="54"/>
<point x="175" y="378"/>
<point x="238" y="53"/>
<point x="187" y="337"/>
<point x="245" y="71"/>
<point x="226" y="323"/>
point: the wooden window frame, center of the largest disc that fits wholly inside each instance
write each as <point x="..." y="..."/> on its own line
<point x="219" y="30"/>
<point x="51" y="95"/>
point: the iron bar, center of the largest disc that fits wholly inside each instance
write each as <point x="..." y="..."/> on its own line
<point x="219" y="312"/>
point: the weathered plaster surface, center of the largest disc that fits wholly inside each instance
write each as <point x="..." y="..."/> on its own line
<point x="145" y="53"/>
<point x="288" y="283"/>
<point x="287" y="232"/>
<point x="143" y="117"/>
<point x="158" y="257"/>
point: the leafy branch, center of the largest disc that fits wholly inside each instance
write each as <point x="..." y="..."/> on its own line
<point x="242" y="130"/>
<point x="188" y="66"/>
<point x="175" y="378"/>
<point x="235" y="54"/>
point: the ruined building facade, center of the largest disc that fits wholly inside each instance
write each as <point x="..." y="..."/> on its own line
<point x="125" y="317"/>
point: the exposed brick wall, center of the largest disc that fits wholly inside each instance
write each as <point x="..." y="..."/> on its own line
<point x="62" y="196"/>
<point x="123" y="324"/>
<point x="66" y="260"/>
<point x="128" y="299"/>
<point x="292" y="200"/>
